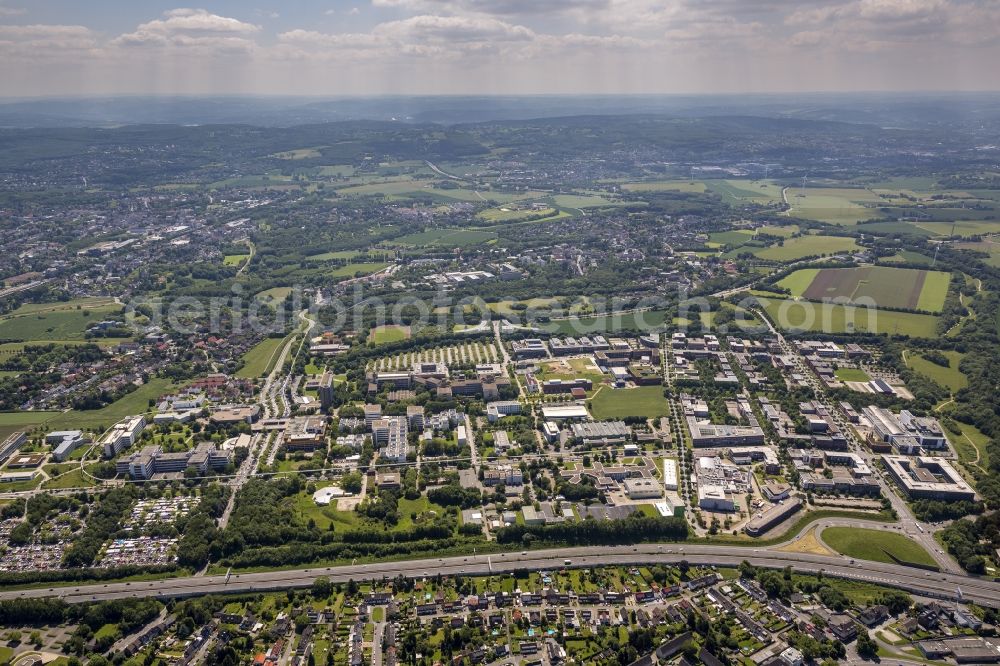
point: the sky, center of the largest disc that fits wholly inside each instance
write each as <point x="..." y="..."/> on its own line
<point x="373" y="47"/>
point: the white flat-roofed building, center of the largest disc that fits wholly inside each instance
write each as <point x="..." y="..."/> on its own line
<point x="66" y="442"/>
<point x="122" y="435"/>
<point x="670" y="474"/>
<point x="501" y="441"/>
<point x="642" y="488"/>
<point x="746" y="455"/>
<point x="564" y="412"/>
<point x="12" y="444"/>
<point x="372" y="414"/>
<point x="710" y="434"/>
<point x="500" y="408"/>
<point x="715" y="498"/>
<point x="894" y="428"/>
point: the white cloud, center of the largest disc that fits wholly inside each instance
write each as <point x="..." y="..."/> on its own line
<point x="527" y="46"/>
<point x="187" y="28"/>
<point x="46" y="41"/>
<point x="495" y="7"/>
<point x="872" y="25"/>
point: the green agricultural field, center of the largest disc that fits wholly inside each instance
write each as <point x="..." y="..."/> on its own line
<point x="276" y="180"/>
<point x="299" y="154"/>
<point x="737" y="238"/>
<point x="346" y="255"/>
<point x="381" y="335"/>
<point x="784" y="231"/>
<point x="987" y="245"/>
<point x="582" y="201"/>
<point x="907" y="257"/>
<point x="397" y="186"/>
<point x="807" y="246"/>
<point x="11" y="422"/>
<point x="746" y="191"/>
<point x="876" y="546"/>
<point x="962" y="228"/>
<point x="798" y="282"/>
<point x="274" y="295"/>
<point x="364" y="268"/>
<point x="895" y="227"/>
<point x="645" y="401"/>
<point x="136" y="402"/>
<point x="234" y="259"/>
<point x="446" y="238"/>
<point x="260" y="358"/>
<point x="886" y="286"/>
<point x="830" y="318"/>
<point x="934" y="292"/>
<point x="665" y="186"/>
<point x="336" y="170"/>
<point x="843" y="206"/>
<point x="641" y="321"/>
<point x="490" y="195"/>
<point x="508" y="307"/>
<point x="851" y="375"/>
<point x="56" y="321"/>
<point x="508" y="214"/>
<point x="951" y="377"/>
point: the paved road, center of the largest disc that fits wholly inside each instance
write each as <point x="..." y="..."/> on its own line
<point x="924" y="583"/>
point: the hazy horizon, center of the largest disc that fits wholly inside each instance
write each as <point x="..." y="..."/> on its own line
<point x="61" y="48"/>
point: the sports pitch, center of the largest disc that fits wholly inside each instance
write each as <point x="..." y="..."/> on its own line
<point x="904" y="288"/>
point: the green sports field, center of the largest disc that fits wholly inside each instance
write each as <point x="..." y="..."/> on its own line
<point x="851" y="375"/>
<point x="646" y="401"/>
<point x="381" y="335"/>
<point x="876" y="546"/>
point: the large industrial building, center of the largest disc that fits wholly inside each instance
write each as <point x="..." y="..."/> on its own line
<point x="903" y="429"/>
<point x="926" y="477"/>
<point x="122" y="435"/>
<point x="704" y="434"/>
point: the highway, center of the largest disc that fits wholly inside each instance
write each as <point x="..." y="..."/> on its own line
<point x="917" y="581"/>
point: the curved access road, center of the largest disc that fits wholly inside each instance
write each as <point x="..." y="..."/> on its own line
<point x="917" y="581"/>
